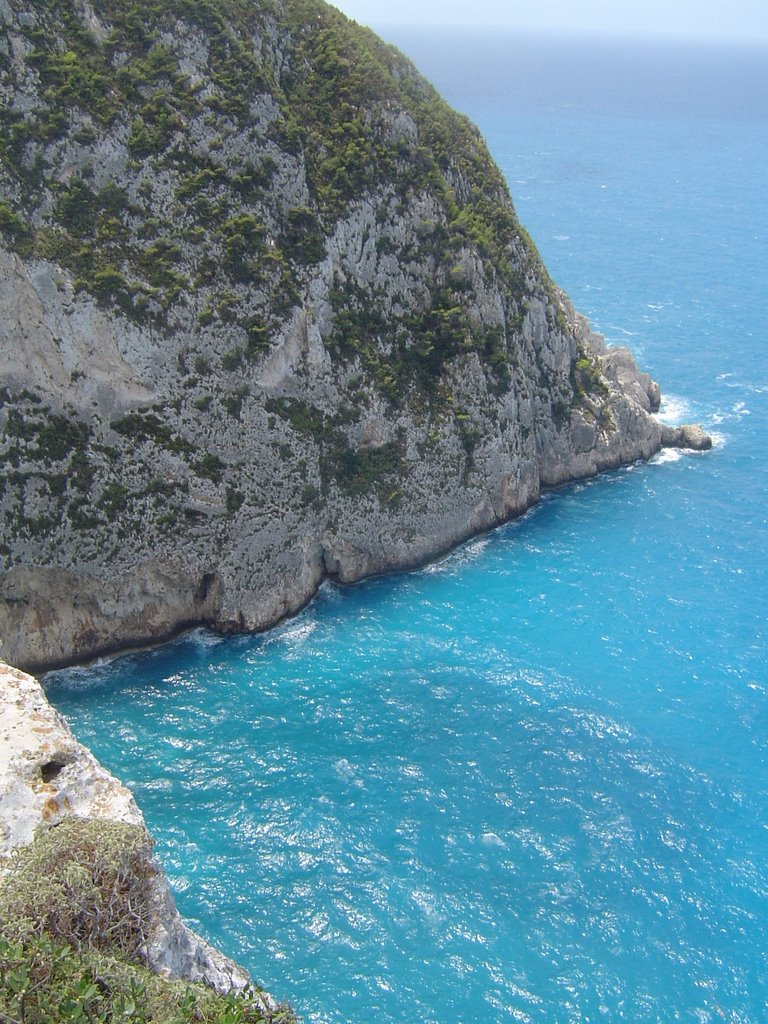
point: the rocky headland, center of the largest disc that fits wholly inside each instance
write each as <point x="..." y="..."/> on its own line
<point x="88" y="926"/>
<point x="267" y="316"/>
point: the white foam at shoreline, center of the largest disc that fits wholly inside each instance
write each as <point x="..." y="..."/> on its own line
<point x="667" y="455"/>
<point x="461" y="556"/>
<point x="295" y="632"/>
<point x="718" y="439"/>
<point x="674" y="410"/>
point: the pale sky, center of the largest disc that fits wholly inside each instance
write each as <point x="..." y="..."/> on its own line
<point x="724" y="19"/>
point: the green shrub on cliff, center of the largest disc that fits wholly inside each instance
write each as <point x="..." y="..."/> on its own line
<point x="186" y="201"/>
<point x="75" y="910"/>
<point x="86" y="883"/>
<point x="15" y="230"/>
<point x="586" y="378"/>
<point x="46" y="982"/>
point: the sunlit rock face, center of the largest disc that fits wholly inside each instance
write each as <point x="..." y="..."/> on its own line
<point x="266" y="316"/>
<point x="47" y="776"/>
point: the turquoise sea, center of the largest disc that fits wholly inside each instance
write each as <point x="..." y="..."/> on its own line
<point x="528" y="783"/>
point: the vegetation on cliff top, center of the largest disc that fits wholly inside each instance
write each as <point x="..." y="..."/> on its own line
<point x="74" y="914"/>
<point x="190" y="102"/>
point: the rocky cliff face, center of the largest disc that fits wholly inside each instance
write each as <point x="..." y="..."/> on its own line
<point x="46" y="776"/>
<point x="266" y="316"/>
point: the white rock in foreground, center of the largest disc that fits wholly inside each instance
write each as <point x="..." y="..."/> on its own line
<point x="46" y="775"/>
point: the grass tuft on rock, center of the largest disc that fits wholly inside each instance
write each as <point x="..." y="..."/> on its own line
<point x="75" y="912"/>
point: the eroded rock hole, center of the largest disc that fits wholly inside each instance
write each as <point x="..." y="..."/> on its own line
<point x="51" y="769"/>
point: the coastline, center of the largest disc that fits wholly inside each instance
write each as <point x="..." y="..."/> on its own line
<point x="672" y="437"/>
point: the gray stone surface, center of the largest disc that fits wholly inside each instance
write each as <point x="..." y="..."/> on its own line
<point x="130" y="535"/>
<point x="71" y="594"/>
<point x="689" y="435"/>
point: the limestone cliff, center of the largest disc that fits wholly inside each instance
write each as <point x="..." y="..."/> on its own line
<point x="266" y="316"/>
<point x="45" y="776"/>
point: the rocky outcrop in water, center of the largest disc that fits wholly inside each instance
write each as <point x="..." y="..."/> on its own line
<point x="689" y="436"/>
<point x="266" y="316"/>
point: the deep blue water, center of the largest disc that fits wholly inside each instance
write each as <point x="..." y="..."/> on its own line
<point x="530" y="782"/>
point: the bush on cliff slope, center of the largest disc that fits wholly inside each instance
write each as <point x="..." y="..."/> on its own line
<point x="194" y="207"/>
<point x="74" y="910"/>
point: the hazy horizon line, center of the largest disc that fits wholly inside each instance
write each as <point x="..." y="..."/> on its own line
<point x="582" y="34"/>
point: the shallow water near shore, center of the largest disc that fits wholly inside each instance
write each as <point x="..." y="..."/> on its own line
<point x="530" y="781"/>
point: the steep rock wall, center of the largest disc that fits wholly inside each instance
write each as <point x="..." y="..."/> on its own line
<point x="266" y="316"/>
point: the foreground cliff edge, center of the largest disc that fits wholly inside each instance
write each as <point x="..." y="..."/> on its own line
<point x="267" y="316"/>
<point x="50" y="783"/>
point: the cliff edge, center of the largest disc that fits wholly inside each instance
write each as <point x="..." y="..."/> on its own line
<point x="47" y="777"/>
<point x="266" y="316"/>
